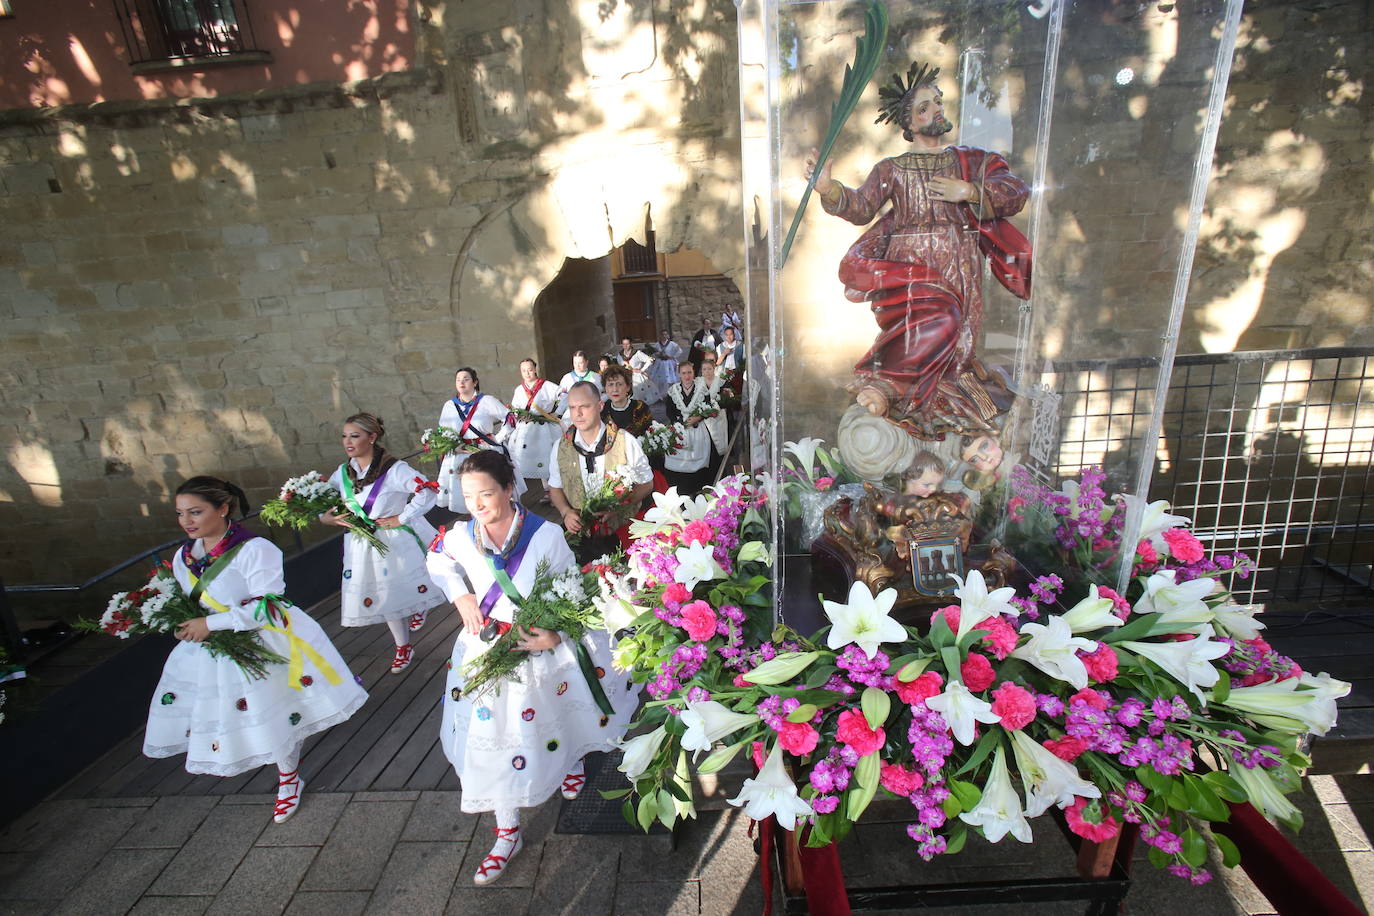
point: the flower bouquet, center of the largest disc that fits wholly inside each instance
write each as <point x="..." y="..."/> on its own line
<point x="1157" y="712"/>
<point x="707" y="409"/>
<point x="604" y="508"/>
<point x="440" y="441"/>
<point x="522" y="415"/>
<point x="662" y="439"/>
<point x="160" y="606"/>
<point x="556" y="602"/>
<point x="304" y="499"/>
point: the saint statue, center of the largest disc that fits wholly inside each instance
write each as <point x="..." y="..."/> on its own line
<point x="920" y="267"/>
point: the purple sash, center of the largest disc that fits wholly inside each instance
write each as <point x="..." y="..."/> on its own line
<point x="506" y="565"/>
<point x="376" y="488"/>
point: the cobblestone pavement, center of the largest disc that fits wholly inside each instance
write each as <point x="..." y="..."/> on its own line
<point x="414" y="853"/>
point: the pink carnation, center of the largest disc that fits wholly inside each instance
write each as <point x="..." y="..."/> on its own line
<point x="951" y="615"/>
<point x="1101" y="664"/>
<point x="1091" y="697"/>
<point x="798" y="738"/>
<point x="698" y="532"/>
<point x="1001" y="638"/>
<point x="699" y="620"/>
<point x="976" y="672"/>
<point x="1014" y="507"/>
<point x="1120" y="606"/>
<point x="1092" y="820"/>
<point x="676" y="593"/>
<point x="852" y="729"/>
<point x="898" y="780"/>
<point x="1015" y="704"/>
<point x="824" y="483"/>
<point x="924" y="687"/>
<point x="1146" y="552"/>
<point x="1183" y="546"/>
<point x="1066" y="748"/>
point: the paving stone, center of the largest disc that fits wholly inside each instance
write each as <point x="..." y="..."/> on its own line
<point x="310" y="825"/>
<point x="468" y="899"/>
<point x="437" y="818"/>
<point x="577" y="874"/>
<point x="116" y="882"/>
<point x="264" y="882"/>
<point x="170" y="822"/>
<point x="729" y="874"/>
<point x="523" y="869"/>
<point x="26" y="907"/>
<point x="328" y="903"/>
<point x="143" y="802"/>
<point x="47" y="822"/>
<point x="352" y="859"/>
<point x="656" y="898"/>
<point x="213" y="852"/>
<point x="385" y="796"/>
<point x="171" y="906"/>
<point x="265" y="801"/>
<point x="418" y="878"/>
<point x="64" y="860"/>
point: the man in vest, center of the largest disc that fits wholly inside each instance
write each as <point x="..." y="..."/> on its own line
<point x="582" y="459"/>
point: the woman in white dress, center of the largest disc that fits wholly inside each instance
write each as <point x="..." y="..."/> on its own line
<point x="225" y="721"/>
<point x="717" y="427"/>
<point x="532" y="440"/>
<point x="687" y="467"/>
<point x="729" y="355"/>
<point x="514" y="746"/>
<point x="481" y="420"/>
<point x="639" y="363"/>
<point x="581" y="372"/>
<point x="664" y="371"/>
<point x="392" y="588"/>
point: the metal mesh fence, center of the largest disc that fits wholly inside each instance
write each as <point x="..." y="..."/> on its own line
<point x="1269" y="452"/>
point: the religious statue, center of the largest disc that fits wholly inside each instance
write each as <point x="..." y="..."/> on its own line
<point x="920" y="268"/>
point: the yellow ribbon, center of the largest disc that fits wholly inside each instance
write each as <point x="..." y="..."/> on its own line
<point x="300" y="649"/>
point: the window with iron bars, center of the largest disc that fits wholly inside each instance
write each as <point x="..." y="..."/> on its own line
<point x="177" y="32"/>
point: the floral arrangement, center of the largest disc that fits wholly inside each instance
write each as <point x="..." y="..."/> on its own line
<point x="1150" y="712"/>
<point x="160" y="606"/>
<point x="707" y="409"/>
<point x="662" y="439"/>
<point x="522" y="415"/>
<point x="440" y="441"/>
<point x="603" y="508"/>
<point x="559" y="602"/>
<point x="808" y="467"/>
<point x="301" y="502"/>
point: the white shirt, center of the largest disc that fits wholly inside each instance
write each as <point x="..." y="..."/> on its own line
<point x="640" y="472"/>
<point x="489" y="417"/>
<point x="397" y="496"/>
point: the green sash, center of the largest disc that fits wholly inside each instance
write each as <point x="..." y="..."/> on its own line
<point x="351" y="498"/>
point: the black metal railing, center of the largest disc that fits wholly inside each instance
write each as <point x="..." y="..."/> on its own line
<point x="1270" y="453"/>
<point x="171" y="30"/>
<point x="641" y="259"/>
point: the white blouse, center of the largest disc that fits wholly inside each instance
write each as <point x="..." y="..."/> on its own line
<point x="397" y="495"/>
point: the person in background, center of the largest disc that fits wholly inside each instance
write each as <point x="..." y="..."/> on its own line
<point x="534" y="437"/>
<point x="686" y="468"/>
<point x="483" y="422"/>
<point x="664" y="371"/>
<point x="626" y="412"/>
<point x="703" y="342"/>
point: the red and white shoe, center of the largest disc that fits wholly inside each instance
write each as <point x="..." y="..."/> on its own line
<point x="572" y="785"/>
<point x="402" y="660"/>
<point x="508" y="843"/>
<point x="417" y="621"/>
<point x="290" y="787"/>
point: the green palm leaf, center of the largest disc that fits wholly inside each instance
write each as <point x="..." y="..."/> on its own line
<point x="867" y="51"/>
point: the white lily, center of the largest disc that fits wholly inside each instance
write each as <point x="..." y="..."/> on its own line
<point x="1092" y="613"/>
<point x="1048" y="780"/>
<point x="1236" y="621"/>
<point x="961" y="710"/>
<point x="640" y="751"/>
<point x="1264" y="794"/>
<point x="753" y="551"/>
<point x="1154" y="520"/>
<point x="696" y="563"/>
<point x="1052" y="648"/>
<point x="864" y="621"/>
<point x="696" y="507"/>
<point x="1189" y="662"/>
<point x="1285" y="706"/>
<point x="710" y="721"/>
<point x="805" y="450"/>
<point x="1177" y="602"/>
<point x="999" y="811"/>
<point x="666" y="511"/>
<point x="1071" y="490"/>
<point x="772" y="792"/>
<point x="977" y="604"/>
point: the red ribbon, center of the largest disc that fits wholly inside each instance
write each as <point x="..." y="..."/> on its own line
<point x="422" y="484"/>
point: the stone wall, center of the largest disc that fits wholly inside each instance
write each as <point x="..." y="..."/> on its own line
<point x="211" y="286"/>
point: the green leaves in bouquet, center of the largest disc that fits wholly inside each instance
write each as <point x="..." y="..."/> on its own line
<point x="783" y="667"/>
<point x="866" y="777"/>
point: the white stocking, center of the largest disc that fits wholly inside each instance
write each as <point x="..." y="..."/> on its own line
<point x="400" y="631"/>
<point x="290" y="761"/>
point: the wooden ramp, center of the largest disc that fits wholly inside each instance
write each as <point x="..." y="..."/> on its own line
<point x="391" y="743"/>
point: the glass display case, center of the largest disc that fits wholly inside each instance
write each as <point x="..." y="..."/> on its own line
<point x="1008" y="194"/>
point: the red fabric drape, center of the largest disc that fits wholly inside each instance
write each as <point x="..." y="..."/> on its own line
<point x="1291" y="883"/>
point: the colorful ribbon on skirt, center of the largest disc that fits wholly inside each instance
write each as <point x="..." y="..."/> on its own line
<point x="271" y="610"/>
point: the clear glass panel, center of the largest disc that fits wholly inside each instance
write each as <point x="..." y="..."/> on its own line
<point x="903" y="326"/>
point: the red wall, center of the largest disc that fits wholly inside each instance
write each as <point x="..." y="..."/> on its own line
<point x="57" y="52"/>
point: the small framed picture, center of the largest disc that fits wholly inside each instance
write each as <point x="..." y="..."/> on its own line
<point x="934" y="565"/>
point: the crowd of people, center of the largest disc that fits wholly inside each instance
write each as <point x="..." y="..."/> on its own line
<point x="512" y="748"/>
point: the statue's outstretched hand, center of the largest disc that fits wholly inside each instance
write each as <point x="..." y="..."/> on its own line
<point x="823" y="180"/>
<point x="873" y="401"/>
